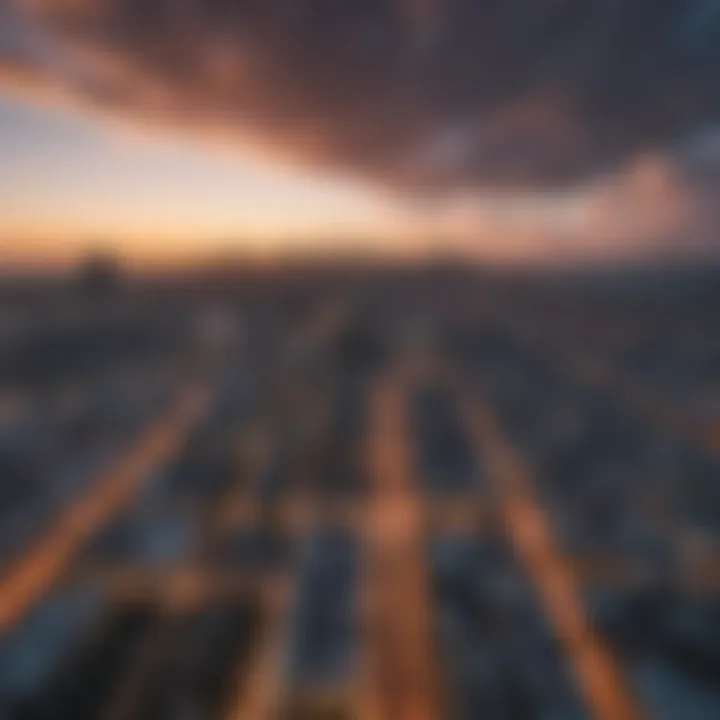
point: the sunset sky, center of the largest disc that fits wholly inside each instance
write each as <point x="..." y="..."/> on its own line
<point x="70" y="181"/>
<point x="510" y="131"/>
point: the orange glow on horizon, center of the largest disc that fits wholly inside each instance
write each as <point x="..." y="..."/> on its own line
<point x="149" y="249"/>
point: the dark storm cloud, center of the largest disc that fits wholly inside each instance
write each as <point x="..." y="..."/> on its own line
<point x="436" y="93"/>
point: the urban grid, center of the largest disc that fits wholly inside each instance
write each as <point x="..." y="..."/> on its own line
<point x="374" y="493"/>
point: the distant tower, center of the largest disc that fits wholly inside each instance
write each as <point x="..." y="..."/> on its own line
<point x="99" y="272"/>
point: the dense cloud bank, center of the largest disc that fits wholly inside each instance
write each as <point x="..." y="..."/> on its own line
<point x="439" y="94"/>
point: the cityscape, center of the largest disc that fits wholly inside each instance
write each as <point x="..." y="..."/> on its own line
<point x="359" y="359"/>
<point x="400" y="492"/>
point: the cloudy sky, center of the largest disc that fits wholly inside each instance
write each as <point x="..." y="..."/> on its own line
<point x="516" y="129"/>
